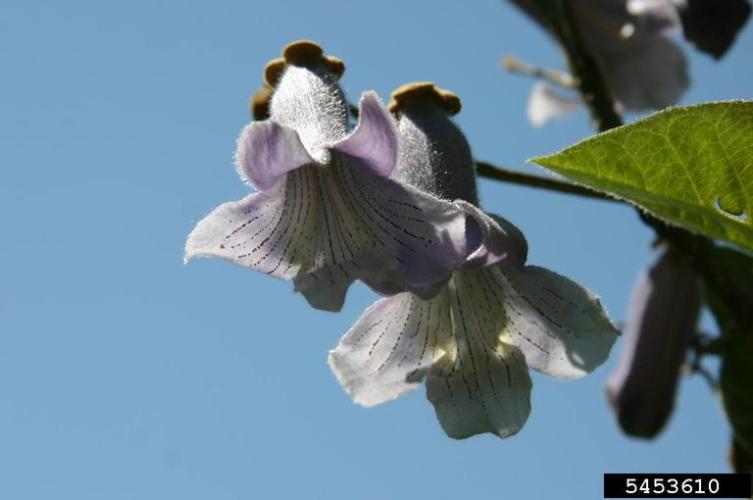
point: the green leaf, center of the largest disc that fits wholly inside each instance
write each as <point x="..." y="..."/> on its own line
<point x="690" y="166"/>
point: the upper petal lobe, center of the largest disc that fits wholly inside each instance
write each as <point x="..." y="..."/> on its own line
<point x="267" y="151"/>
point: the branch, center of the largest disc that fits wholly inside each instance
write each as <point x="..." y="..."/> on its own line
<point x="537" y="181"/>
<point x="585" y="68"/>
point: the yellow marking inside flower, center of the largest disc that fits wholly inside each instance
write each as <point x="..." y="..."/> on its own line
<point x="441" y="353"/>
<point x="301" y="53"/>
<point x="260" y="103"/>
<point x="418" y="91"/>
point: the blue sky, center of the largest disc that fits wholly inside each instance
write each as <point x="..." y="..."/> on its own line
<point x="126" y="375"/>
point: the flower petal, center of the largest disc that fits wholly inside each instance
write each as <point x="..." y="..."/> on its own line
<point x="645" y="71"/>
<point x="393" y="237"/>
<point x="345" y="247"/>
<point x="326" y="226"/>
<point x="386" y="353"/>
<point x="374" y="141"/>
<point x="499" y="238"/>
<point x="427" y="237"/>
<point x="517" y="245"/>
<point x="545" y="103"/>
<point x="325" y="287"/>
<point x="484" y="386"/>
<point x="561" y="327"/>
<point x="269" y="231"/>
<point x="655" y="15"/>
<point x="266" y="151"/>
<point x="713" y="26"/>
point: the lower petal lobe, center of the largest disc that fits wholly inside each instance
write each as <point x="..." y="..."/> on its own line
<point x="386" y="353"/>
<point x="485" y="386"/>
<point x="560" y="326"/>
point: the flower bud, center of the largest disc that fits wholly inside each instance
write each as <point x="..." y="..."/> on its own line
<point x="661" y="321"/>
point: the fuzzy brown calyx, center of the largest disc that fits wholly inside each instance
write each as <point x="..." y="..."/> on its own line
<point x="334" y="65"/>
<point x="417" y="91"/>
<point x="273" y="71"/>
<point x="259" y="103"/>
<point x="301" y="53"/>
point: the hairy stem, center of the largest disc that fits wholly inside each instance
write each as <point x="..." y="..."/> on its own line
<point x="537" y="181"/>
<point x="585" y="68"/>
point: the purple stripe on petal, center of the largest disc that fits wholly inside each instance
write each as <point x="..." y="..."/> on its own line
<point x="425" y="237"/>
<point x="270" y="231"/>
<point x="561" y="327"/>
<point x="484" y="386"/>
<point x="392" y="237"/>
<point x="391" y="346"/>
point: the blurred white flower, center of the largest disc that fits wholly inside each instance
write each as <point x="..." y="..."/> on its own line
<point x="546" y="103"/>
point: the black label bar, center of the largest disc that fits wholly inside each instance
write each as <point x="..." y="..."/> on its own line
<point x="677" y="486"/>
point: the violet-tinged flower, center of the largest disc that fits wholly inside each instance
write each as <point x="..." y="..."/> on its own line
<point x="474" y="341"/>
<point x="326" y="212"/>
<point x="642" y="66"/>
<point x="661" y="321"/>
<point x="710" y="25"/>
